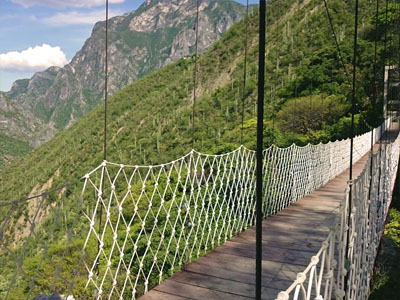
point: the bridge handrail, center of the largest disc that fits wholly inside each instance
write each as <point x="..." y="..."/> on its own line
<point x="333" y="273"/>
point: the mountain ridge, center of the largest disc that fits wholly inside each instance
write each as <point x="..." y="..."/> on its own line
<point x="150" y="121"/>
<point x="157" y="33"/>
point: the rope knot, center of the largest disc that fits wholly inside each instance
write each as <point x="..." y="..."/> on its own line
<point x="301" y="277"/>
<point x="328" y="275"/>
<point x="334" y="263"/>
<point x="315" y="260"/>
<point x="282" y="296"/>
<point x="340" y="294"/>
<point x="325" y="245"/>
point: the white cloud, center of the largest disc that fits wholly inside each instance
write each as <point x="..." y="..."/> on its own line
<point x="59" y="4"/>
<point x="74" y="17"/>
<point x="33" y="59"/>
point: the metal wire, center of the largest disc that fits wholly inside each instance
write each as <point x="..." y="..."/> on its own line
<point x="336" y="41"/>
<point x="244" y="71"/>
<point x="195" y="75"/>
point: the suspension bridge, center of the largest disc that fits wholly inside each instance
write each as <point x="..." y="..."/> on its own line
<point x="186" y="229"/>
<point x="299" y="242"/>
<point x="193" y="219"/>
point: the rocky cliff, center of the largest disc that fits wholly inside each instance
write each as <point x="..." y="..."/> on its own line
<point x="18" y="122"/>
<point x="158" y="32"/>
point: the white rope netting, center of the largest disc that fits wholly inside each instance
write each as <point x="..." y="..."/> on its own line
<point x="133" y="226"/>
<point x="333" y="273"/>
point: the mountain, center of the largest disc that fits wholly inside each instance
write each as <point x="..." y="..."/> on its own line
<point x="157" y="33"/>
<point x="17" y="121"/>
<point x="18" y="126"/>
<point x="150" y="121"/>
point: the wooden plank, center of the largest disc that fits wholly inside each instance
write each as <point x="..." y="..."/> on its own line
<point x="309" y="247"/>
<point x="219" y="272"/>
<point x="249" y="237"/>
<point x="158" y="295"/>
<point x="247" y="265"/>
<point x="279" y="223"/>
<point x="190" y="291"/>
<point x="271" y="254"/>
<point x="268" y="268"/>
<point x="222" y="285"/>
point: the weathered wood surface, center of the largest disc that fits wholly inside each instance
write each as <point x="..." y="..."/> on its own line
<point x="290" y="239"/>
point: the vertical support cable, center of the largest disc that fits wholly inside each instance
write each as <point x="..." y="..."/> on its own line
<point x="353" y="97"/>
<point x="383" y="128"/>
<point x="397" y="18"/>
<point x="375" y="91"/>
<point x="244" y="70"/>
<point x="353" y="108"/>
<point x="389" y="93"/>
<point x="195" y="72"/>
<point x="105" y="129"/>
<point x="384" y="62"/>
<point x="336" y="41"/>
<point x="106" y="86"/>
<point x="260" y="119"/>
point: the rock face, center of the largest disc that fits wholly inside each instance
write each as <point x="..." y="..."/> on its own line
<point x="159" y="32"/>
<point x="20" y="123"/>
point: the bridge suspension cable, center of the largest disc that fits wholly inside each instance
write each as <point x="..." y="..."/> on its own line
<point x="259" y="152"/>
<point x="244" y="70"/>
<point x="336" y="41"/>
<point x="100" y="216"/>
<point x="195" y="74"/>
<point x="353" y="112"/>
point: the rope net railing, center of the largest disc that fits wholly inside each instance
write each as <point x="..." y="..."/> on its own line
<point x="123" y="229"/>
<point x="294" y="172"/>
<point x="332" y="273"/>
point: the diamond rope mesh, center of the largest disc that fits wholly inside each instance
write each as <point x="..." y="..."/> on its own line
<point x="325" y="276"/>
<point x="155" y="218"/>
<point x="165" y="216"/>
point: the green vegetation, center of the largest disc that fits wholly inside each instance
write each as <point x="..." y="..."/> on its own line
<point x="386" y="281"/>
<point x="150" y="121"/>
<point x="11" y="148"/>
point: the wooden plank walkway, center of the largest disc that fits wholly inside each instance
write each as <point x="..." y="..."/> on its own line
<point x="290" y="239"/>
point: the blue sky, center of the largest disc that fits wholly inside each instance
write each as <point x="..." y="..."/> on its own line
<point x="36" y="34"/>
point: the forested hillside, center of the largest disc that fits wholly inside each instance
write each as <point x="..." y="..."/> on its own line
<point x="150" y="121"/>
<point x="307" y="98"/>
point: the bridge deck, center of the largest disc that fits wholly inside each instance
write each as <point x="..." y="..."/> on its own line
<point x="290" y="238"/>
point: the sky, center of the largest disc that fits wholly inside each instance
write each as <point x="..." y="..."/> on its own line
<point x="37" y="34"/>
